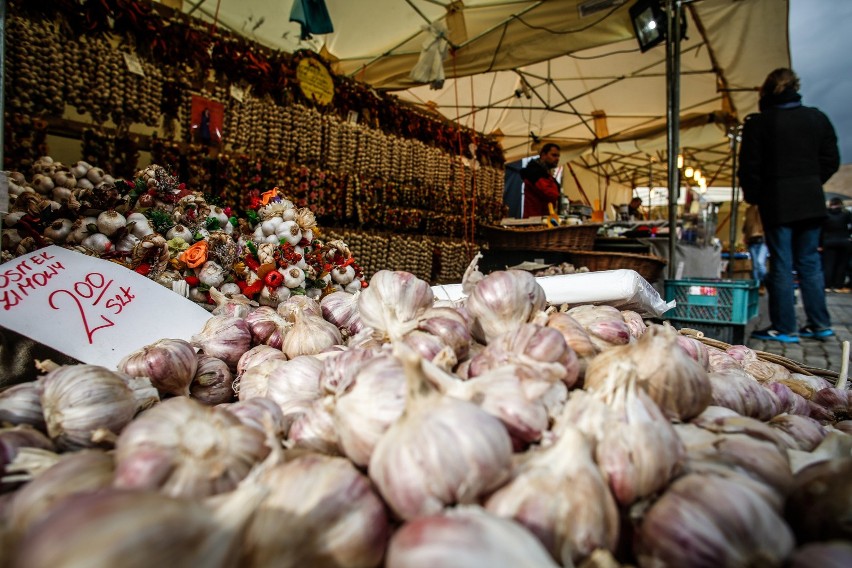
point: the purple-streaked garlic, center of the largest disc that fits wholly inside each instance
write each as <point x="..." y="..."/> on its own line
<point x="85" y="405"/>
<point x="21" y="404"/>
<point x="604" y="324"/>
<point x="318" y="511"/>
<point x="11" y="442"/>
<point x="560" y="496"/>
<point x="432" y="348"/>
<point x="170" y="364"/>
<point x="441" y="450"/>
<point x="805" y="433"/>
<point x="213" y="381"/>
<point x="789" y="401"/>
<point x="185" y="449"/>
<point x="819" y="503"/>
<point x="721" y="361"/>
<point x="393" y="302"/>
<point x="299" y="304"/>
<point x="340" y="368"/>
<point x="640" y="451"/>
<point x="502" y="301"/>
<point x="72" y="474"/>
<point x="259" y="413"/>
<point x="225" y="337"/>
<point x="310" y="335"/>
<point x="836" y="401"/>
<point x="634" y="322"/>
<point x="293" y="384"/>
<point x="257" y="355"/>
<point x="341" y="309"/>
<point x="705" y="520"/>
<point x="267" y="327"/>
<point x="372" y="400"/>
<point x="676" y="382"/>
<point x="574" y="334"/>
<point x="451" y="325"/>
<point x="315" y="430"/>
<point x="696" y="350"/>
<point x="465" y="537"/>
<point x="739" y="391"/>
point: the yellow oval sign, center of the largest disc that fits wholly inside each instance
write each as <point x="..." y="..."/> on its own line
<point x="315" y="81"/>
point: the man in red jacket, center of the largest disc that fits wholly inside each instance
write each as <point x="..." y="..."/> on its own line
<point x="540" y="187"/>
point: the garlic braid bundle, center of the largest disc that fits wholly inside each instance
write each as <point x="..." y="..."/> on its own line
<point x="186" y="449"/>
<point x="441" y="450"/>
<point x="85" y="405"/>
<point x="502" y="301"/>
<point x="393" y="302"/>
<point x="676" y="382"/>
<point x="561" y="497"/>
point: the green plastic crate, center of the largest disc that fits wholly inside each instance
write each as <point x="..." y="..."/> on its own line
<point x="710" y="300"/>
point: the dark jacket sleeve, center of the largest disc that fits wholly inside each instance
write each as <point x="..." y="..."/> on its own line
<point x="748" y="171"/>
<point x="829" y="155"/>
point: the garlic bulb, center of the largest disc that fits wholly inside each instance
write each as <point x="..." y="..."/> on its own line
<point x="127" y="243"/>
<point x="267" y="327"/>
<point x="21" y="404"/>
<point x="310" y="335"/>
<point x="293" y="384"/>
<point x="432" y="348"/>
<point x="371" y="402"/>
<point x="574" y="334"/>
<point x="721" y="361"/>
<point x="834" y="554"/>
<point x="145" y="529"/>
<point x="465" y="537"/>
<point x="836" y="401"/>
<point x="818" y="505"/>
<point x="788" y="401"/>
<point x="12" y="440"/>
<point x="639" y="452"/>
<point x="110" y="222"/>
<point x="257" y="355"/>
<point x="213" y="381"/>
<point x="726" y="522"/>
<point x="634" y="322"/>
<point x="502" y="301"/>
<point x="441" y="451"/>
<point x="261" y="414"/>
<point x="169" y="363"/>
<point x="805" y="433"/>
<point x="211" y="274"/>
<point x="73" y="473"/>
<point x="59" y="230"/>
<point x="341" y="309"/>
<point x="696" y="350"/>
<point x="678" y="384"/>
<point x="139" y="225"/>
<point x="299" y="303"/>
<point x="85" y="405"/>
<point x="738" y="391"/>
<point x="451" y="325"/>
<point x="98" y="242"/>
<point x="319" y="511"/>
<point x="604" y="324"/>
<point x="186" y="449"/>
<point x="224" y="337"/>
<point x="314" y="429"/>
<point x="237" y="305"/>
<point x="180" y="232"/>
<point x="339" y="369"/>
<point x="560" y="496"/>
<point x="393" y="302"/>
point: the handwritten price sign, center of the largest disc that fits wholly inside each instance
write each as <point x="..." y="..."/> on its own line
<point x="93" y="310"/>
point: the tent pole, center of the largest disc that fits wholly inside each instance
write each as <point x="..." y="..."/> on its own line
<point x="734" y="134"/>
<point x="673" y="10"/>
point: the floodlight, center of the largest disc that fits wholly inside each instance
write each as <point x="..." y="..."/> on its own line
<point x="649" y="23"/>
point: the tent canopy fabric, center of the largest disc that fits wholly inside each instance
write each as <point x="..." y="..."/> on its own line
<point x="568" y="71"/>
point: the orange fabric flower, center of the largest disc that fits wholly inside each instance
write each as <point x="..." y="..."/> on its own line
<point x="196" y="255"/>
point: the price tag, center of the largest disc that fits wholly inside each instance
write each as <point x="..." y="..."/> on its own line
<point x="133" y="64"/>
<point x="239" y="93"/>
<point x="91" y="309"/>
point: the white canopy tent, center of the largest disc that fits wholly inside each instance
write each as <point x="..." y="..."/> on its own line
<point x="568" y="71"/>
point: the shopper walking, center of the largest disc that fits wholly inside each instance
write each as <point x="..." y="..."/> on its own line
<point x="788" y="151"/>
<point x="836" y="231"/>
<point x="757" y="250"/>
<point x="540" y="187"/>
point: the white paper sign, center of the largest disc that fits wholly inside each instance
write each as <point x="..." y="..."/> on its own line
<point x="91" y="309"/>
<point x="133" y="64"/>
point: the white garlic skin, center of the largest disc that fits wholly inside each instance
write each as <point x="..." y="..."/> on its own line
<point x="21" y="404"/>
<point x="110" y="222"/>
<point x="211" y="274"/>
<point x="79" y="400"/>
<point x="98" y="242"/>
<point x="393" y="302"/>
<point x="257" y="355"/>
<point x="224" y="337"/>
<point x="180" y="231"/>
<point x="502" y="301"/>
<point x="170" y="364"/>
<point x="310" y="335"/>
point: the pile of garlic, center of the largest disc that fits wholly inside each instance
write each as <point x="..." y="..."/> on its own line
<point x="386" y="428"/>
<point x="155" y="226"/>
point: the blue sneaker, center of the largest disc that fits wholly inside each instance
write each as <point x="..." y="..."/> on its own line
<point x="810" y="332"/>
<point x="774" y="335"/>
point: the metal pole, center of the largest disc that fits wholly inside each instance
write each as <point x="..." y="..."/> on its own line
<point x="673" y="12"/>
<point x="734" y="134"/>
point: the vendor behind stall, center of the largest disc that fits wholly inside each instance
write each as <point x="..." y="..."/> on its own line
<point x="634" y="209"/>
<point x="540" y="187"/>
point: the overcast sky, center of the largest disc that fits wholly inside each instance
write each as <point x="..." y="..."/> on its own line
<point x="821" y="48"/>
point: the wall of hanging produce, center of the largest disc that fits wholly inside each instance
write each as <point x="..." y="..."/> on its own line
<point x="132" y="63"/>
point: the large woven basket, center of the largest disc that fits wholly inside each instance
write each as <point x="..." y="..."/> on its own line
<point x="648" y="266"/>
<point x="558" y="239"/>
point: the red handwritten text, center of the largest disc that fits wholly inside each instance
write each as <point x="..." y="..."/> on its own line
<point x="27" y="276"/>
<point x="86" y="296"/>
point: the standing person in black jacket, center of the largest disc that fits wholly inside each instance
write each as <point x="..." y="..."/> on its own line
<point x="788" y="151"/>
<point x="836" y="245"/>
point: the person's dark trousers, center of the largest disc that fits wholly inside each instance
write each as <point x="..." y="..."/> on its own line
<point x="835" y="258"/>
<point x="795" y="246"/>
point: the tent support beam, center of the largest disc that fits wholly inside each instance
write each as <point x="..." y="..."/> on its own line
<point x="673" y="10"/>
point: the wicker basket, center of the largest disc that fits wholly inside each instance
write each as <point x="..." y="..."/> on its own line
<point x="557" y="239"/>
<point x="648" y="266"/>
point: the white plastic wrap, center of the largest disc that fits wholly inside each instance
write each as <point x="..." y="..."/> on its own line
<point x="622" y="289"/>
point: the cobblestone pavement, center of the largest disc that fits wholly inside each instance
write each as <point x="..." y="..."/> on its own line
<point x="825" y="354"/>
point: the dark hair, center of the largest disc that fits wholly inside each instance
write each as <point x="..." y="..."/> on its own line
<point x="547" y="148"/>
<point x="836" y="201"/>
<point x="780" y="80"/>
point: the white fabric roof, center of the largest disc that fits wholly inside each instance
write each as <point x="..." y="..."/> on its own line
<point x="544" y="66"/>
